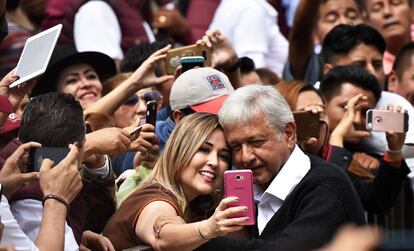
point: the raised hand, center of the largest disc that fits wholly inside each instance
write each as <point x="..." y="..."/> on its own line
<point x="345" y="129"/>
<point x="145" y="76"/>
<point x="223" y="54"/>
<point x="13" y="174"/>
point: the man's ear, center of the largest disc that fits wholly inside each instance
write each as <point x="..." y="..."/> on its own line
<point x="326" y="68"/>
<point x="177" y="116"/>
<point x="290" y="134"/>
<point x="393" y="82"/>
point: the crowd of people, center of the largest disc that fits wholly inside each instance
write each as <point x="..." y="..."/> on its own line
<point x="124" y="183"/>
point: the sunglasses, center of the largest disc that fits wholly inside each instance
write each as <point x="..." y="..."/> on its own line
<point x="133" y="100"/>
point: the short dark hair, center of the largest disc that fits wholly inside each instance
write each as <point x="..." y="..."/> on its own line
<point x="137" y="54"/>
<point x="403" y="59"/>
<point x="343" y="38"/>
<point x="247" y="65"/>
<point x="356" y="75"/>
<point x="53" y="119"/>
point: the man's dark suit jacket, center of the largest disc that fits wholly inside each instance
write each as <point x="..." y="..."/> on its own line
<point x="322" y="202"/>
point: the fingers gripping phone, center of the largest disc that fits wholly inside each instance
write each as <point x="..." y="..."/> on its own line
<point x="151" y="112"/>
<point x="386" y="121"/>
<point x="307" y="124"/>
<point x="239" y="183"/>
<point x="37" y="155"/>
<point x="172" y="60"/>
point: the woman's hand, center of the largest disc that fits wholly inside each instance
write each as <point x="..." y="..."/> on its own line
<point x="15" y="94"/>
<point x="223" y="54"/>
<point x="221" y="223"/>
<point x="312" y="144"/>
<point x="145" y="76"/>
<point x="94" y="241"/>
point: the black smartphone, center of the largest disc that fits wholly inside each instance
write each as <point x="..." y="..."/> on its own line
<point x="307" y="124"/>
<point x="36" y="156"/>
<point x="151" y="112"/>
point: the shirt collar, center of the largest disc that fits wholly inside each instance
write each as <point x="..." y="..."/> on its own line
<point x="292" y="172"/>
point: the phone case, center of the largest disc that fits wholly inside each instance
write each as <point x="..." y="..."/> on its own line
<point x="307" y="125"/>
<point x="191" y="62"/>
<point x="172" y="60"/>
<point x="36" y="156"/>
<point x="386" y="121"/>
<point x="151" y="112"/>
<point x="239" y="183"/>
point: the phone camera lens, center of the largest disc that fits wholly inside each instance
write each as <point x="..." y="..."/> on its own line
<point x="239" y="177"/>
<point x="378" y="120"/>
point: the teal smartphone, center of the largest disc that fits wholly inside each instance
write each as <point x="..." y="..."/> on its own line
<point x="188" y="63"/>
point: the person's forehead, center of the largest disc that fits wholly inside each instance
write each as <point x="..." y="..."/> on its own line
<point x="337" y="4"/>
<point x="370" y="2"/>
<point x="361" y="51"/>
<point x="348" y="90"/>
<point x="81" y="67"/>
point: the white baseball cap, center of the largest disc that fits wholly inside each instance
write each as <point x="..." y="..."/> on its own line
<point x="203" y="89"/>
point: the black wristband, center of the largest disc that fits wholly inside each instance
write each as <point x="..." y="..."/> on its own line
<point x="55" y="197"/>
<point x="235" y="67"/>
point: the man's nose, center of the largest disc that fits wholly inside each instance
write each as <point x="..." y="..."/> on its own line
<point x="247" y="155"/>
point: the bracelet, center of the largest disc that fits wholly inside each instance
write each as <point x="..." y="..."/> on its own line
<point x="55" y="197"/>
<point x="199" y="232"/>
<point x="388" y="159"/>
<point x="394" y="151"/>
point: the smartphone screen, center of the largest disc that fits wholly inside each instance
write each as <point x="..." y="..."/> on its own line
<point x="151" y="112"/>
<point x="307" y="124"/>
<point x="386" y="121"/>
<point x="36" y="156"/>
<point x="188" y="63"/>
<point x="239" y="183"/>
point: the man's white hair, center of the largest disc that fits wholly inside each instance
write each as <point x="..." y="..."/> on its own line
<point x="252" y="101"/>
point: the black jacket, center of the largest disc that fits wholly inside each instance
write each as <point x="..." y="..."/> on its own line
<point x="322" y="202"/>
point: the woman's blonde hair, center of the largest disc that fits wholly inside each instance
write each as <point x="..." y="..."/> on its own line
<point x="185" y="140"/>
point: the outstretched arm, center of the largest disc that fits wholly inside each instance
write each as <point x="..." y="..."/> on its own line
<point x="143" y="77"/>
<point x="301" y="37"/>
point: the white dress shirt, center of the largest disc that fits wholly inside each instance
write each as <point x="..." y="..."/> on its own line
<point x="12" y="233"/>
<point x="292" y="172"/>
<point x="28" y="214"/>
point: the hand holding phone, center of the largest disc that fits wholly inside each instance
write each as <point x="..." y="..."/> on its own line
<point x="36" y="156"/>
<point x="172" y="60"/>
<point x="307" y="124"/>
<point x="387" y="121"/>
<point x="151" y="112"/>
<point x="239" y="183"/>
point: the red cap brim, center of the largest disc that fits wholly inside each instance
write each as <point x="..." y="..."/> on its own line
<point x="213" y="106"/>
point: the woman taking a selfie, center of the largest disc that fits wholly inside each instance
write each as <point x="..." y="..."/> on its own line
<point x="191" y="165"/>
